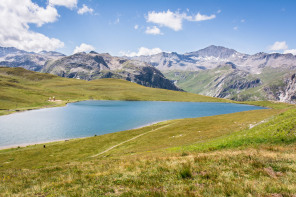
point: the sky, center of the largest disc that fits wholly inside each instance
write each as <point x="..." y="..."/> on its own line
<point x="144" y="27"/>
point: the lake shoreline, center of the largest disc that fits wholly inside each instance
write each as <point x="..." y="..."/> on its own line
<point x="63" y="104"/>
<point x="86" y="136"/>
<point x="68" y="139"/>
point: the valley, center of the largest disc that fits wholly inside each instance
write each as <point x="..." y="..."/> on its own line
<point x="166" y="158"/>
<point x="167" y="98"/>
<point x="22" y="90"/>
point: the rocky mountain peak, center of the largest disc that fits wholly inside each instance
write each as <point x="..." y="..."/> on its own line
<point x="89" y="66"/>
<point x="214" y="51"/>
<point x="93" y="52"/>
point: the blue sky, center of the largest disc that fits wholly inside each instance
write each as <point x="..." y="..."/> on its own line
<point x="124" y="26"/>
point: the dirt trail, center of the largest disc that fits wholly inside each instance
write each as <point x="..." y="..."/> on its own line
<point x="130" y="140"/>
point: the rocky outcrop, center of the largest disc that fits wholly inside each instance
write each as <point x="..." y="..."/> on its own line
<point x="289" y="94"/>
<point x="237" y="86"/>
<point x="284" y="92"/>
<point x="232" y="82"/>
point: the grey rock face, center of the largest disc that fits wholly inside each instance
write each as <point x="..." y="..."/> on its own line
<point x="285" y="92"/>
<point x="231" y="83"/>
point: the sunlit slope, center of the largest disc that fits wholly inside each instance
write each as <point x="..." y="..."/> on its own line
<point x="22" y="89"/>
<point x="234" y="84"/>
<point x="189" y="156"/>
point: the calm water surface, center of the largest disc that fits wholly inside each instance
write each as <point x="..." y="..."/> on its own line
<point x="88" y="118"/>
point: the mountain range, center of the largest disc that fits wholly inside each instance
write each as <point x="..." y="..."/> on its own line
<point x="214" y="56"/>
<point x="213" y="71"/>
<point x="221" y="72"/>
<point x="87" y="66"/>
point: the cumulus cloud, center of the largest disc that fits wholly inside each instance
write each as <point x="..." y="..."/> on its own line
<point x="153" y="30"/>
<point x="83" y="48"/>
<point x="66" y="3"/>
<point x="136" y="27"/>
<point x="277" y="46"/>
<point x="293" y="51"/>
<point x="14" y="25"/>
<point x="174" y="20"/>
<point x="142" y="51"/>
<point x="84" y="10"/>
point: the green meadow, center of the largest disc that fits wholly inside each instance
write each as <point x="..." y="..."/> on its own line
<point x="248" y="153"/>
<point x="21" y="89"/>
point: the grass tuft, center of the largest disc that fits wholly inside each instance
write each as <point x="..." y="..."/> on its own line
<point x="185" y="171"/>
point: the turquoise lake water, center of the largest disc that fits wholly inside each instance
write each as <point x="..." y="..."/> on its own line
<point x="89" y="118"/>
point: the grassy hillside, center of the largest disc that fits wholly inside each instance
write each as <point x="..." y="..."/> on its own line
<point x="205" y="82"/>
<point x="248" y="153"/>
<point x="200" y="82"/>
<point x="239" y="154"/>
<point x="21" y="89"/>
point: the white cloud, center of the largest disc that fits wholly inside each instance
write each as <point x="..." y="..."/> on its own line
<point x="200" y="17"/>
<point x="277" y="46"/>
<point x="83" y="48"/>
<point x="293" y="51"/>
<point x="235" y="28"/>
<point x="142" y="51"/>
<point x="168" y="19"/>
<point x="219" y="11"/>
<point x="84" y="10"/>
<point x="153" y="30"/>
<point x="66" y="3"/>
<point x="243" y="20"/>
<point x="174" y="20"/>
<point x="14" y="25"/>
<point x="136" y="27"/>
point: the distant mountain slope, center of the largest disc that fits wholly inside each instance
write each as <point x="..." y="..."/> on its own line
<point x="170" y="61"/>
<point x="222" y="72"/>
<point x="212" y="71"/>
<point x="214" y="51"/>
<point x="12" y="57"/>
<point x="89" y="66"/>
<point x="213" y="56"/>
